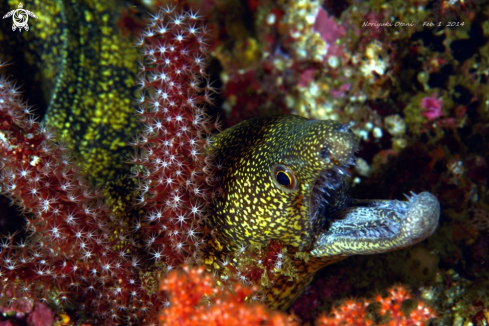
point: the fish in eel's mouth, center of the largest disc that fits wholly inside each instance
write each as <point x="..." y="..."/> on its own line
<point x="360" y="227"/>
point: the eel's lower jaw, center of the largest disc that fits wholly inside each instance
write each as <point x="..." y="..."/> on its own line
<point x="377" y="226"/>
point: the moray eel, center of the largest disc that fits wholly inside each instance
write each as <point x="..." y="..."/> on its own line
<point x="87" y="69"/>
<point x="284" y="179"/>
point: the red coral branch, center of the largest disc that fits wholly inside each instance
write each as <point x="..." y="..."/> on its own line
<point x="353" y="312"/>
<point x="177" y="170"/>
<point x="71" y="253"/>
<point x="196" y="300"/>
<point x="78" y="251"/>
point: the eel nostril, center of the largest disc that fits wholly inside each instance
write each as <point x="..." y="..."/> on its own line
<point x="325" y="154"/>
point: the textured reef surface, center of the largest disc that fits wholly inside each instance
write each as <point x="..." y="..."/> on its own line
<point x="413" y="76"/>
<point x="409" y="78"/>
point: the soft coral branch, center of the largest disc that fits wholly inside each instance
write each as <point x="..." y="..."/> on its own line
<point x="176" y="169"/>
<point x="71" y="253"/>
<point x="81" y="251"/>
<point x="353" y="312"/>
<point x="197" y="300"/>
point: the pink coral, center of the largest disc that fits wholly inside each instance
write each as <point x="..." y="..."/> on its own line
<point x="330" y="31"/>
<point x="41" y="316"/>
<point x="27" y="312"/>
<point x="432" y="105"/>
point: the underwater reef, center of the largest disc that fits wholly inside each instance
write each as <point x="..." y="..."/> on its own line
<point x="418" y="97"/>
<point x="119" y="186"/>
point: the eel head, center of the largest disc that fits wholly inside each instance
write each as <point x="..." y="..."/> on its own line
<point x="284" y="178"/>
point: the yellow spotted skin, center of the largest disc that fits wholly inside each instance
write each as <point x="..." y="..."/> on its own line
<point x="87" y="69"/>
<point x="285" y="291"/>
<point x="310" y="214"/>
<point x="252" y="209"/>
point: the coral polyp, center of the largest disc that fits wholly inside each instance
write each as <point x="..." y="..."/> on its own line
<point x="84" y="247"/>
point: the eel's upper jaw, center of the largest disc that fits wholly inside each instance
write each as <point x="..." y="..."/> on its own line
<point x="377" y="226"/>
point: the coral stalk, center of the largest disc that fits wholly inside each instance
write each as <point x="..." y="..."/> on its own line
<point x="175" y="169"/>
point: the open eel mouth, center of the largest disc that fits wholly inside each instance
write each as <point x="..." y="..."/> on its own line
<point x="364" y="227"/>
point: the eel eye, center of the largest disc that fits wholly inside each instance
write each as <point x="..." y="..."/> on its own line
<point x="284" y="178"/>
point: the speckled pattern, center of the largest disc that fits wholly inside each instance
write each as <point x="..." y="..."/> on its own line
<point x="285" y="289"/>
<point x="88" y="73"/>
<point x="313" y="216"/>
<point x="253" y="209"/>
<point x="377" y="226"/>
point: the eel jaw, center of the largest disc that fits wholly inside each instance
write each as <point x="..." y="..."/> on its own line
<point x="377" y="226"/>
